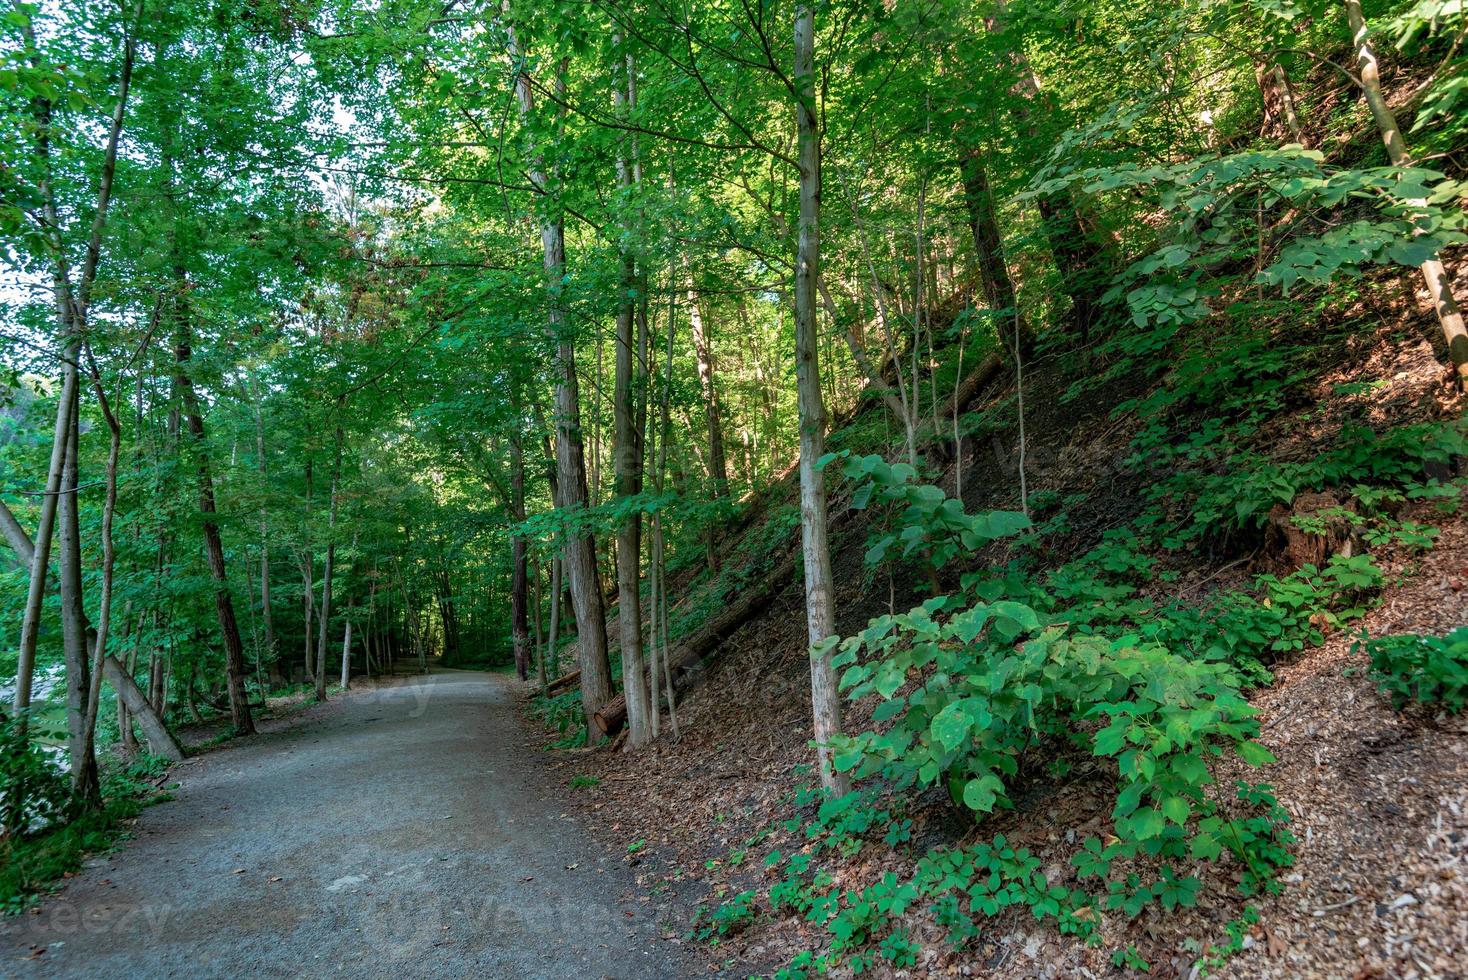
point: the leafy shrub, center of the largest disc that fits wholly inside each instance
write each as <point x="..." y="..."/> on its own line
<point x="725" y="919"/>
<point x="930" y="524"/>
<point x="1426" y="669"/>
<point x="981" y="700"/>
<point x="31" y="863"/>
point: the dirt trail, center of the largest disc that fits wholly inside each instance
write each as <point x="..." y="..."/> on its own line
<point x="405" y="831"/>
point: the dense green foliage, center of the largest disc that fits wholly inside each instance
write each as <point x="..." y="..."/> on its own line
<point x="1432" y="670"/>
<point x="343" y="292"/>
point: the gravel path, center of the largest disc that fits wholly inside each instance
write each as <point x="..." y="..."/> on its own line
<point x="403" y="831"/>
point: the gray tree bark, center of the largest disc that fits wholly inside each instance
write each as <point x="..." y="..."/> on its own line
<point x="820" y="600"/>
<point x="581" y="566"/>
<point x="628" y="386"/>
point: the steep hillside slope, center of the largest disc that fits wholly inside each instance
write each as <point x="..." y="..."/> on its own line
<point x="1172" y="484"/>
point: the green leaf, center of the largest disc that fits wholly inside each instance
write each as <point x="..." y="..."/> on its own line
<point x="1176" y="809"/>
<point x="1254" y="754"/>
<point x="980" y="794"/>
<point x="1147" y="822"/>
<point x="950" y="727"/>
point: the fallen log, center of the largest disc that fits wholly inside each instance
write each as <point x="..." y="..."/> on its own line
<point x="969" y="387"/>
<point x="719" y="627"/>
<point x="562" y="682"/>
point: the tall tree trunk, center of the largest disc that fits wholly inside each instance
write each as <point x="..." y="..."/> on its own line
<point x="536" y="599"/>
<point x="819" y="593"/>
<point x="30" y="629"/>
<point x="586" y="592"/>
<point x="328" y="568"/>
<point x="271" y="655"/>
<point x="346" y="676"/>
<point x="82" y="791"/>
<point x="659" y="605"/>
<point x="229" y="629"/>
<point x="994" y="280"/>
<point x="519" y="577"/>
<point x="704" y="351"/>
<point x="553" y="639"/>
<point x="1434" y="276"/>
<point x="1079" y="257"/>
<point x="72" y="308"/>
<point x="628" y="386"/>
<point x="308" y="584"/>
<point x="85" y="787"/>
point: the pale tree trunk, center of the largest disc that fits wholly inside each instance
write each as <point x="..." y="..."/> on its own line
<point x="308" y="583"/>
<point x="1434" y="276"/>
<point x="519" y="571"/>
<point x="328" y="569"/>
<point x="160" y="740"/>
<point x="346" y="677"/>
<point x="586" y="593"/>
<point x="553" y="640"/>
<point x="71" y="315"/>
<point x="819" y="592"/>
<point x="308" y="607"/>
<point x="659" y="610"/>
<point x="267" y="620"/>
<point x="30" y="629"/>
<point x="93" y="702"/>
<point x="1281" y="115"/>
<point x="627" y="456"/>
<point x="536" y="599"/>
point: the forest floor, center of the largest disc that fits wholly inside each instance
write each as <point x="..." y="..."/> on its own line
<point x="401" y="830"/>
<point x="1378" y="801"/>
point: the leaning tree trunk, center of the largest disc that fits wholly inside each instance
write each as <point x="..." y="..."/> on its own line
<point x="819" y="591"/>
<point x="30" y="629"/>
<point x="160" y="741"/>
<point x="1281" y="114"/>
<point x="1434" y="276"/>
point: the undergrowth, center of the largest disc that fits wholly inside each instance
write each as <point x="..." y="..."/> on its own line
<point x="1099" y="670"/>
<point x="31" y="863"/>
